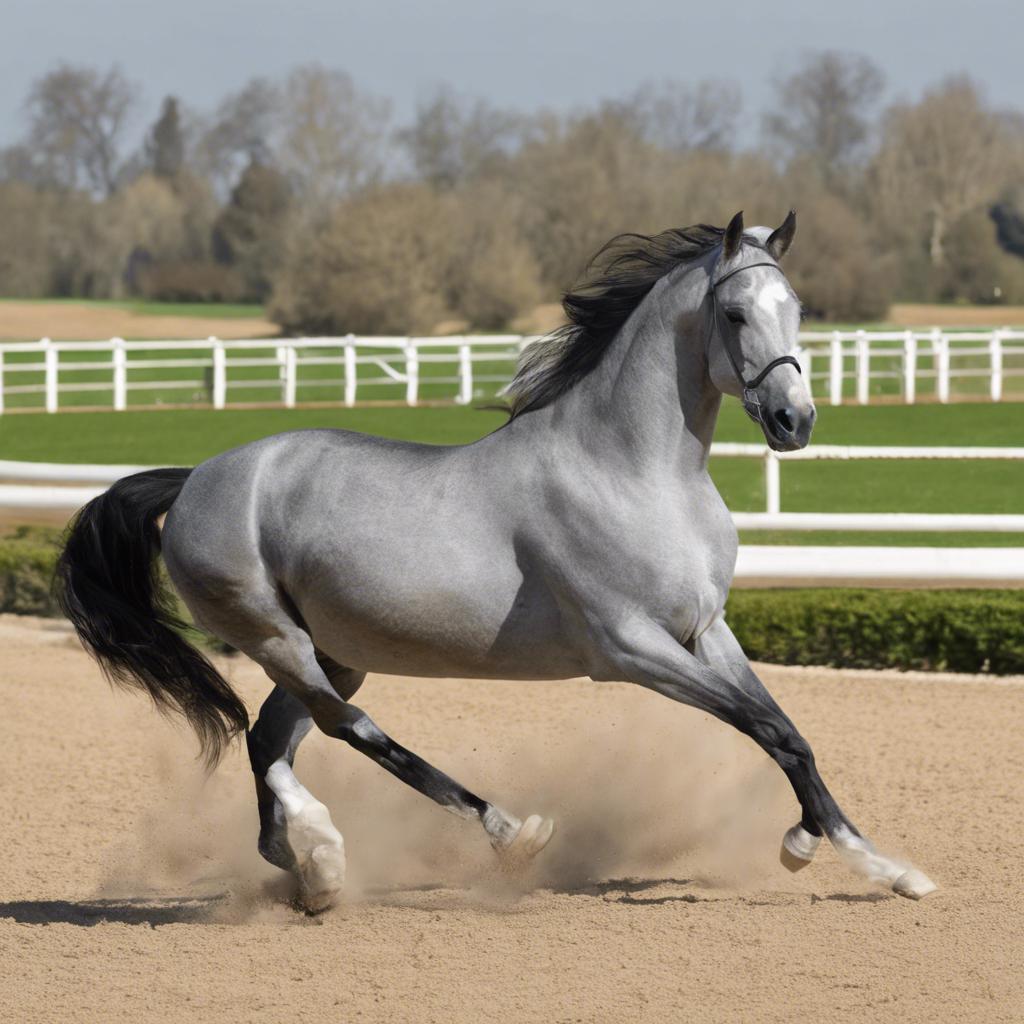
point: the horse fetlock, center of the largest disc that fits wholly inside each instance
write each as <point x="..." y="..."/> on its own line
<point x="500" y="826"/>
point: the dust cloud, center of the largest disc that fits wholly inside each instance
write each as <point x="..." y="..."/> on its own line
<point x="643" y="789"/>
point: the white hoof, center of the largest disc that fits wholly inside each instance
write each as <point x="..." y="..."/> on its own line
<point x="320" y="855"/>
<point x="531" y="838"/>
<point x="913" y="884"/>
<point x="798" y="848"/>
<point x="897" y="875"/>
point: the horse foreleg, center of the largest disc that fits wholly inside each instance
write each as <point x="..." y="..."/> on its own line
<point x="720" y="682"/>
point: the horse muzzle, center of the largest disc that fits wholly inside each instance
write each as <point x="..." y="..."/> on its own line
<point x="787" y="428"/>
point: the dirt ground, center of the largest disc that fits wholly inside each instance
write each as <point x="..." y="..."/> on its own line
<point x="130" y="888"/>
<point x="910" y="314"/>
<point x="67" y="321"/>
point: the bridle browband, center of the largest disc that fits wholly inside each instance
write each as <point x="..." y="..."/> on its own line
<point x="751" y="403"/>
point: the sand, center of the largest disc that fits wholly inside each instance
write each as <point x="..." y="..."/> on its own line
<point x="69" y="321"/>
<point x="130" y="888"/>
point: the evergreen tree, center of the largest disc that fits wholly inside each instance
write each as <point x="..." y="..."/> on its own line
<point x="249" y="232"/>
<point x="165" y="147"/>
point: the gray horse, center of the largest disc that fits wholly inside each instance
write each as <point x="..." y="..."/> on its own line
<point x="583" y="538"/>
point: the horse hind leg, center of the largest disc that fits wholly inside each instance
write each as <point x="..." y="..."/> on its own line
<point x="296" y="831"/>
<point x="266" y="630"/>
<point x="514" y="841"/>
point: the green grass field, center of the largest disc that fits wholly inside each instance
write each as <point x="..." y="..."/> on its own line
<point x="141" y="307"/>
<point x="187" y="436"/>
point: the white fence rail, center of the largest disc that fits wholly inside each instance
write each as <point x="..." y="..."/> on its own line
<point x="348" y="368"/>
<point x="782" y="565"/>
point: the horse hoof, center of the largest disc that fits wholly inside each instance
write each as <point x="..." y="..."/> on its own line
<point x="913" y="884"/>
<point x="798" y="848"/>
<point x="319" y="857"/>
<point x="534" y="834"/>
<point x="321" y="878"/>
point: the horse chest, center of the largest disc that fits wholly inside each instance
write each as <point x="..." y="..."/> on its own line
<point x="686" y="566"/>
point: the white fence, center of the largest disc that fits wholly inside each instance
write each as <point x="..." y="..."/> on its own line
<point x="41" y="486"/>
<point x="347" y="369"/>
<point x="948" y="353"/>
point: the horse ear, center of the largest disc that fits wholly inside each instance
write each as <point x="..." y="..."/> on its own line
<point x="781" y="238"/>
<point x="733" y="237"/>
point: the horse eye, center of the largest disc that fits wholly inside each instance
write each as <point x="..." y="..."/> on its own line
<point x="735" y="316"/>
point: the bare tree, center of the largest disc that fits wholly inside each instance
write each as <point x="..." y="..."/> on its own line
<point x="452" y="139"/>
<point x="240" y="131"/>
<point x="824" y="111"/>
<point x="331" y="136"/>
<point x="77" y="117"/>
<point x="941" y="159"/>
<point x="680" y="117"/>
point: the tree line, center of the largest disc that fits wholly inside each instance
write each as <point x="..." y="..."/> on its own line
<point x="303" y="194"/>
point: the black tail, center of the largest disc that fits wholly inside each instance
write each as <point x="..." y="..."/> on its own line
<point x="108" y="586"/>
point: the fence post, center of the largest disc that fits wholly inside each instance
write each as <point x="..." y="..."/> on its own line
<point x="465" y="376"/>
<point x="282" y="372"/>
<point x="120" y="360"/>
<point x="220" y="374"/>
<point x="940" y="345"/>
<point x="412" y="372"/>
<point x="772" y="486"/>
<point x="835" y="369"/>
<point x="350" y="370"/>
<point x="995" y="349"/>
<point x="1" y="381"/>
<point x="863" y="367"/>
<point x="50" y="358"/>
<point x="909" y="367"/>
<point x="291" y="373"/>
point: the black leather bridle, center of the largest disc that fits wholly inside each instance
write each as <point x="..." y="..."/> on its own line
<point x="751" y="403"/>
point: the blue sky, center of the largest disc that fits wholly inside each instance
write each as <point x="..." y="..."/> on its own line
<point x="523" y="54"/>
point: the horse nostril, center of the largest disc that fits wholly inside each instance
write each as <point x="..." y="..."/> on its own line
<point x="784" y="418"/>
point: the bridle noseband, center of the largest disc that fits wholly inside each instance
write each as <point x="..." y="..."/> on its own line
<point x="751" y="403"/>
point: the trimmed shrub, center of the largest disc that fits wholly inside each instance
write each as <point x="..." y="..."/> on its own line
<point x="27" y="558"/>
<point x="202" y="281"/>
<point x="943" y="630"/>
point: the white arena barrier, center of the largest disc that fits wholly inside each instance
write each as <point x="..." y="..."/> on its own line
<point x="782" y="565"/>
<point x="50" y="487"/>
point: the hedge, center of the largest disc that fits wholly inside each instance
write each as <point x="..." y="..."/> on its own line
<point x="932" y="630"/>
<point x="938" y="630"/>
<point x="27" y="558"/>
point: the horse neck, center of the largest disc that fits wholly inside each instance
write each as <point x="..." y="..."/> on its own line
<point x="651" y="396"/>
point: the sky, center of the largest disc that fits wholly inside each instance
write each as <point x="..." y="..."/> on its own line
<point x="522" y="54"/>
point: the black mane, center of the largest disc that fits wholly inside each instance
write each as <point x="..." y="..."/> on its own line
<point x="615" y="282"/>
